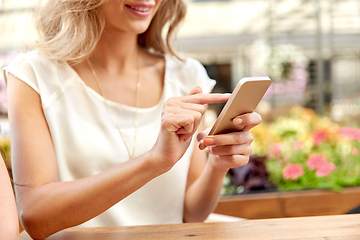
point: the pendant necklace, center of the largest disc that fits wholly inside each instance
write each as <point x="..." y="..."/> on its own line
<point x="131" y="154"/>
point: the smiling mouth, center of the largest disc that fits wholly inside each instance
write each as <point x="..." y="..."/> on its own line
<point x="140" y="9"/>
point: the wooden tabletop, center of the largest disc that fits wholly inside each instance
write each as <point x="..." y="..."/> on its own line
<point x="325" y="227"/>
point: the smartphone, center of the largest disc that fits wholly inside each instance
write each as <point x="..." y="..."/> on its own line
<point x="244" y="99"/>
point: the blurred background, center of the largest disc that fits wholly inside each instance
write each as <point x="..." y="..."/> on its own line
<point x="319" y="40"/>
<point x="310" y="48"/>
<point x="311" y="51"/>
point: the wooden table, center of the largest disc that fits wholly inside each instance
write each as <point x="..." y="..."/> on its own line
<point x="325" y="227"/>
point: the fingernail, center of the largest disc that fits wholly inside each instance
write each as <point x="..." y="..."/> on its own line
<point x="208" y="141"/>
<point x="237" y="121"/>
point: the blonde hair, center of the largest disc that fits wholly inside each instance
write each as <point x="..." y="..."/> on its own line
<point x="70" y="29"/>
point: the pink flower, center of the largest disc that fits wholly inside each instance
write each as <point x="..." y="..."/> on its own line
<point x="325" y="169"/>
<point x="276" y="149"/>
<point x="293" y="171"/>
<point x="319" y="137"/>
<point x="352" y="133"/>
<point x="315" y="161"/>
<point x="355" y="151"/>
<point x="297" y="145"/>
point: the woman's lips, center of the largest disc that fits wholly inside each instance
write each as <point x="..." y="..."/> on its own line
<point x="139" y="10"/>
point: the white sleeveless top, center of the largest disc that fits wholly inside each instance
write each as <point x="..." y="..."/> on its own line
<point x="87" y="142"/>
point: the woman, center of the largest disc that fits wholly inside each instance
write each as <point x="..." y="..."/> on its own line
<point x="102" y="116"/>
<point x="9" y="223"/>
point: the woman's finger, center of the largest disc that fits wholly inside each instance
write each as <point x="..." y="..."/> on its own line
<point x="176" y="105"/>
<point x="206" y="98"/>
<point x="233" y="138"/>
<point x="195" y="90"/>
<point x="200" y="138"/>
<point x="248" y="120"/>
<point x="243" y="149"/>
<point x="173" y="123"/>
<point x="180" y="113"/>
<point x="191" y="106"/>
<point x="230" y="161"/>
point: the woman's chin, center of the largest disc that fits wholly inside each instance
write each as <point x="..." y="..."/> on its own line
<point x="141" y="29"/>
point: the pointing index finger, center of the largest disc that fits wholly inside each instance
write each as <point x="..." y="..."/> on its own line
<point x="207" y="98"/>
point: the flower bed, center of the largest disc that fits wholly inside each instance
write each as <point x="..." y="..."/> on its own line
<point x="300" y="151"/>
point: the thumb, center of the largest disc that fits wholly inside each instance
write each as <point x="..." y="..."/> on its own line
<point x="200" y="137"/>
<point x="195" y="90"/>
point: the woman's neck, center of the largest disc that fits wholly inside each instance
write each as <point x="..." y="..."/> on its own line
<point x="116" y="52"/>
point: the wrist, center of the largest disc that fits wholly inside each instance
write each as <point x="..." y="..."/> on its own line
<point x="157" y="163"/>
<point x="215" y="167"/>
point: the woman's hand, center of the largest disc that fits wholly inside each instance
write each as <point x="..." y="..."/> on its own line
<point x="233" y="149"/>
<point x="180" y="120"/>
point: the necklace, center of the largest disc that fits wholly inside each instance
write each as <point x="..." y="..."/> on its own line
<point x="131" y="155"/>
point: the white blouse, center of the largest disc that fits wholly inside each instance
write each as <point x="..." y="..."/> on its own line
<point x="87" y="142"/>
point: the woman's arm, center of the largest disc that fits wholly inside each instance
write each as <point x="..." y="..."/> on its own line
<point x="45" y="205"/>
<point x="205" y="178"/>
<point x="9" y="223"/>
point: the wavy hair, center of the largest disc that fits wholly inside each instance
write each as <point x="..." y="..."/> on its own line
<point x="70" y="29"/>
